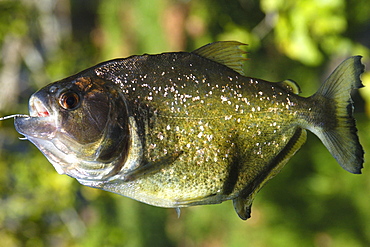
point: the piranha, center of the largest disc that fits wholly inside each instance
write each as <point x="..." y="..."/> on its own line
<point x="188" y="128"/>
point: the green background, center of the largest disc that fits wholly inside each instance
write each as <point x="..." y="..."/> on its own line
<point x="312" y="202"/>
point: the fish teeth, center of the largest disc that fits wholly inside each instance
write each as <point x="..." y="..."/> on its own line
<point x="37" y="108"/>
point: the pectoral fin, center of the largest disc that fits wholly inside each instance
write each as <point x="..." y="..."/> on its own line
<point x="151" y="167"/>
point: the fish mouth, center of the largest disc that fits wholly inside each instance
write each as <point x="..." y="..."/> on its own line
<point x="39" y="124"/>
<point x="40" y="128"/>
<point x="37" y="108"/>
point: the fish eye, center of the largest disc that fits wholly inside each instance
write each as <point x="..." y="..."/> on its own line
<point x="69" y="100"/>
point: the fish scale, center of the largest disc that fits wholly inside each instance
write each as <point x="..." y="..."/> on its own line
<point x="222" y="98"/>
<point x="187" y="128"/>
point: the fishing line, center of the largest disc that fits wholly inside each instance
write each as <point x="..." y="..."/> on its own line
<point x="13" y="116"/>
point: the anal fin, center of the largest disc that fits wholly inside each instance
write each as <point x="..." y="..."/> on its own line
<point x="243" y="202"/>
<point x="243" y="207"/>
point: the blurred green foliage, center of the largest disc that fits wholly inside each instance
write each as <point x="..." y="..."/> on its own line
<point x="312" y="202"/>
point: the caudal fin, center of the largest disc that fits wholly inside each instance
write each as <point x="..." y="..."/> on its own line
<point x="340" y="137"/>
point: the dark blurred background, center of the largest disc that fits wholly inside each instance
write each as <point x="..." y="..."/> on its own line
<point x="312" y="202"/>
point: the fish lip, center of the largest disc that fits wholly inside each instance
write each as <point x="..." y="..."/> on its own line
<point x="40" y="123"/>
<point x="38" y="108"/>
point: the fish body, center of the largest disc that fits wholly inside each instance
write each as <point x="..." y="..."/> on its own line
<point x="187" y="128"/>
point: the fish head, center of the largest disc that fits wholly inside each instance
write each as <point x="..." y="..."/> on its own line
<point x="80" y="125"/>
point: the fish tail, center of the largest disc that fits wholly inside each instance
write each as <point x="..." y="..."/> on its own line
<point x="336" y="125"/>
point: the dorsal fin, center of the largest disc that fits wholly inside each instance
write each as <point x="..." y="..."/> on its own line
<point x="224" y="52"/>
<point x="290" y="85"/>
